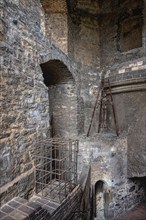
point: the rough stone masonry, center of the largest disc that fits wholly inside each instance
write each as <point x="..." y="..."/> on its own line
<point x="53" y="57"/>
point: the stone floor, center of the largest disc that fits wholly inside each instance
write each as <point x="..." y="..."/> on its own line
<point x="138" y="213"/>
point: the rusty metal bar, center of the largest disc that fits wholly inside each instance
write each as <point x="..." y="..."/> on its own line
<point x="55" y="167"/>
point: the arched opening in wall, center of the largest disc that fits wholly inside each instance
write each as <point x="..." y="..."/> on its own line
<point x="102" y="197"/>
<point x="62" y="98"/>
<point x="99" y="200"/>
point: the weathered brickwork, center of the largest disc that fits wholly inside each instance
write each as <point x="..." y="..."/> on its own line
<point x="19" y="208"/>
<point x="84" y="47"/>
<point x="57" y="29"/>
<point x="127" y="67"/>
<point x="19" y="106"/>
<point x="54" y="54"/>
<point x="41" y="209"/>
<point x="25" y="102"/>
<point x="115" y="14"/>
<point x="56" y="22"/>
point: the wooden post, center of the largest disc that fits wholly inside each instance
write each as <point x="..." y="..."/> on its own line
<point x="113" y="108"/>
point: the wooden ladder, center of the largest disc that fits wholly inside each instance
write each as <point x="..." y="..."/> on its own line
<point x="101" y="95"/>
<point x="97" y="102"/>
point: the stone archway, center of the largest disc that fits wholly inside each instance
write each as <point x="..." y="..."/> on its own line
<point x="62" y="98"/>
<point x="101" y="200"/>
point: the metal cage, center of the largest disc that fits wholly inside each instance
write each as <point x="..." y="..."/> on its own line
<point x="55" y="167"/>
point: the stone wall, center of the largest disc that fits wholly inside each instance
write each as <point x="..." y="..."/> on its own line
<point x="107" y="156"/>
<point x="126" y="70"/>
<point x="97" y="33"/>
<point x="62" y="98"/>
<point x="56" y="22"/>
<point x="117" y="31"/>
<point x="84" y="48"/>
<point x="24" y="95"/>
<point x="25" y="101"/>
<point x="83" y="39"/>
<point x="63" y="101"/>
<point x="92" y="37"/>
<point x="129" y="91"/>
<point x="86" y="42"/>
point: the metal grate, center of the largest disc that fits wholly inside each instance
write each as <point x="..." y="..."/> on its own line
<point x="55" y="165"/>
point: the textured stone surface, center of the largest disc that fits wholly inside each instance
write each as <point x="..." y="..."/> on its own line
<point x="137" y="146"/>
<point x="42" y="208"/>
<point x="25" y="211"/>
<point x="25" y="105"/>
<point x="116" y="16"/>
<point x="91" y="33"/>
<point x="130" y="114"/>
<point x="56" y="22"/>
<point x="108" y="158"/>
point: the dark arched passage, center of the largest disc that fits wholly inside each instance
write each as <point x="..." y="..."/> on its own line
<point x="99" y="199"/>
<point x="56" y="72"/>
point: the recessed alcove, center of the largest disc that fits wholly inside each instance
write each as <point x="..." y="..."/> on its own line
<point x="130" y="25"/>
<point x="62" y="98"/>
<point x="131" y="29"/>
<point x="100" y="200"/>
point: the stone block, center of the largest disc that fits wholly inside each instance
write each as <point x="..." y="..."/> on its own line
<point x="18" y="215"/>
<point x="2" y="214"/>
<point x="26" y="210"/>
<point x="7" y="209"/>
<point x="14" y="204"/>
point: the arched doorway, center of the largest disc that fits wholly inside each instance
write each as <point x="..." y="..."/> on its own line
<point x="102" y="196"/>
<point x="99" y="199"/>
<point x="62" y="98"/>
